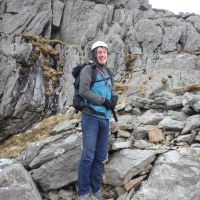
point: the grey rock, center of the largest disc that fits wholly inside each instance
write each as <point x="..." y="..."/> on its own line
<point x="120" y="106"/>
<point x="177" y="115"/>
<point x="136" y="111"/>
<point x="192" y="41"/>
<point x="36" y="26"/>
<point x="2" y="7"/>
<point x="175" y="103"/>
<point x="148" y="34"/>
<point x="140" y="102"/>
<point x="121" y="145"/>
<point x="29" y="16"/>
<point x="19" y="98"/>
<point x="171" y="37"/>
<point x="197" y="138"/>
<point x="132" y="162"/>
<point x="64" y="126"/>
<point x="54" y="150"/>
<point x="75" y="27"/>
<point x="192" y="123"/>
<point x="65" y="194"/>
<point x="33" y="149"/>
<point x="24" y="85"/>
<point x="184" y="182"/>
<point x="143" y="144"/>
<point x="196" y="106"/>
<point x="58" y="163"/>
<point x="195" y="145"/>
<point x="17" y="23"/>
<point x="16" y="182"/>
<point x="123" y="133"/>
<point x="128" y="108"/>
<point x="21" y="52"/>
<point x="151" y="118"/>
<point x="187" y="110"/>
<point x="54" y="161"/>
<point x="127" y="122"/>
<point x="170" y="124"/>
<point x="192" y="101"/>
<point x="141" y="131"/>
<point x="194" y="19"/>
<point x="58" y="7"/>
<point x="184" y="138"/>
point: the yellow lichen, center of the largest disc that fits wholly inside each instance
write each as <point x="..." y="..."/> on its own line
<point x="129" y="59"/>
<point x="118" y="86"/>
<point x="193" y="87"/>
<point x="142" y="88"/>
<point x="47" y="49"/>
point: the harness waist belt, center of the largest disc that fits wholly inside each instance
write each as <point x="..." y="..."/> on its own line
<point x="92" y="111"/>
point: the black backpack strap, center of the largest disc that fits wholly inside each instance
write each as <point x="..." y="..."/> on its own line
<point x="94" y="74"/>
<point x="110" y="73"/>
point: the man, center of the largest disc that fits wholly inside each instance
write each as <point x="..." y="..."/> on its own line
<point x="99" y="100"/>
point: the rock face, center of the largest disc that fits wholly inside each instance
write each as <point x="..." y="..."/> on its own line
<point x="29" y="82"/>
<point x="150" y="50"/>
<point x="30" y="16"/>
<point x="154" y="54"/>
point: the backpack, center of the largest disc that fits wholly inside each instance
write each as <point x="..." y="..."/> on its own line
<point x="77" y="99"/>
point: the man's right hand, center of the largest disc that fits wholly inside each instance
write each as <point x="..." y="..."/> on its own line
<point x="109" y="104"/>
<point x="114" y="99"/>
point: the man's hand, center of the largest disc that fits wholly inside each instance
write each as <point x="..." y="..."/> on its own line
<point x="114" y="99"/>
<point x="109" y="104"/>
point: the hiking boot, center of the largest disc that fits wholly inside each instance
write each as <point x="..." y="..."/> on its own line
<point x="85" y="197"/>
<point x="97" y="196"/>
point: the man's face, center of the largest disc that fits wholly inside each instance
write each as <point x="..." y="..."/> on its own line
<point x="102" y="55"/>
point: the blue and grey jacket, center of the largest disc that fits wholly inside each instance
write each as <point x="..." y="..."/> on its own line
<point x="94" y="96"/>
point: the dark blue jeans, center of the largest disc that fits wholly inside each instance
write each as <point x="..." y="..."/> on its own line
<point x="95" y="148"/>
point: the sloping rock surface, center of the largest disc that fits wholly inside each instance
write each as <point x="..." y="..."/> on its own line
<point x="175" y="175"/>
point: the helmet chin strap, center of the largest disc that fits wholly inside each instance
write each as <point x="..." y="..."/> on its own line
<point x="98" y="64"/>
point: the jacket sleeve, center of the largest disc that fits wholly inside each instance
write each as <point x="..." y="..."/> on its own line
<point x="84" y="87"/>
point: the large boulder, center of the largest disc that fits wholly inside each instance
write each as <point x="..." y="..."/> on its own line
<point x="16" y="182"/>
<point x="126" y="164"/>
<point x="53" y="162"/>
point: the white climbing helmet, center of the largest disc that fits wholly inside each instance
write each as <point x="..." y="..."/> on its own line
<point x="99" y="44"/>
